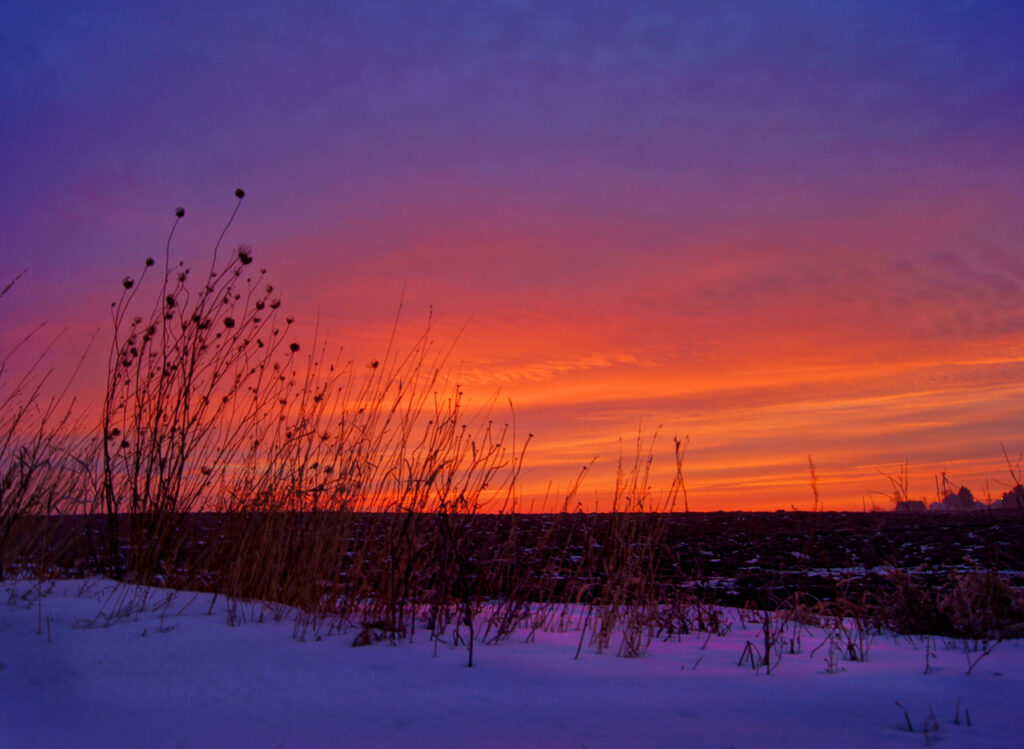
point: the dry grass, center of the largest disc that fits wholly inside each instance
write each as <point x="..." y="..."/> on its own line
<point x="354" y="494"/>
<point x="41" y="455"/>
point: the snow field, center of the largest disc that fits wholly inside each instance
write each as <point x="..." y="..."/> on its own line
<point x="172" y="675"/>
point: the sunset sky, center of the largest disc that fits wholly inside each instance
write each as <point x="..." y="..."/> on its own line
<point x="780" y="228"/>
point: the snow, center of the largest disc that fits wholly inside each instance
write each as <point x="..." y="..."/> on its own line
<point x="83" y="666"/>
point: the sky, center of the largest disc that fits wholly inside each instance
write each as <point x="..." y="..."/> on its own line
<point x="781" y="229"/>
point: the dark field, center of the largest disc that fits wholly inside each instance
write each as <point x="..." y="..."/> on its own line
<point x="727" y="557"/>
<point x="761" y="557"/>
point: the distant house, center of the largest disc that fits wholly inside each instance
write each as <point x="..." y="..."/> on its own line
<point x="1012" y="499"/>
<point x="961" y="501"/>
<point x="911" y="505"/>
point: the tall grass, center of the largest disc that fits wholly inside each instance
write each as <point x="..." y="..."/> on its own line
<point x="233" y="457"/>
<point x="194" y="368"/>
<point x="338" y="489"/>
<point x="41" y="464"/>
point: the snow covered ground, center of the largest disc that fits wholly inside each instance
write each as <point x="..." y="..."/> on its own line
<point x="165" y="677"/>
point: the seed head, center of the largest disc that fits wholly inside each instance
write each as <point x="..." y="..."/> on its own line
<point x="229" y="322"/>
<point x="294" y="347"/>
<point x="149" y="262"/>
<point x="127" y="282"/>
<point x="245" y="254"/>
<point x="179" y="211"/>
<point x="239" y="193"/>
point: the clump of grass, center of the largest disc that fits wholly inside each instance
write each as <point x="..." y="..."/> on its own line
<point x="627" y="561"/>
<point x="193" y="369"/>
<point x="982" y="604"/>
<point x="979" y="604"/>
<point x="41" y="472"/>
<point x="339" y="491"/>
<point x="765" y="652"/>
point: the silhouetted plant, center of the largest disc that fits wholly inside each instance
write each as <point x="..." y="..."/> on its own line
<point x="191" y="374"/>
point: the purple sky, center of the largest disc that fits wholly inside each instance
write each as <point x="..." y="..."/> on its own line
<point x="781" y="228"/>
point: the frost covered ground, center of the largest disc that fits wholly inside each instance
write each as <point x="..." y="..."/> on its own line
<point x="167" y="677"/>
